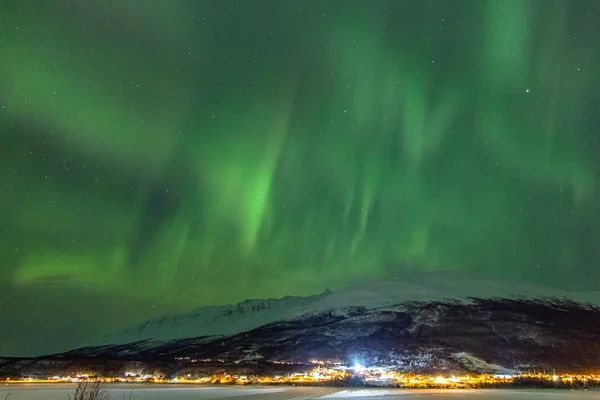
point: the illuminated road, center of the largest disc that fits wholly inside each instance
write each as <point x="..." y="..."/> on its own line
<point x="180" y="392"/>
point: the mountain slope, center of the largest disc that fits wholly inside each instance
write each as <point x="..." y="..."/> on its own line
<point x="213" y="320"/>
<point x="241" y="317"/>
<point x="429" y="336"/>
<point x="452" y="336"/>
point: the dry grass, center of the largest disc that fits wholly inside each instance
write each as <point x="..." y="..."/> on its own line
<point x="90" y="391"/>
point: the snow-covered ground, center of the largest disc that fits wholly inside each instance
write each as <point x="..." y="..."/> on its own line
<point x="154" y="392"/>
<point x="250" y="314"/>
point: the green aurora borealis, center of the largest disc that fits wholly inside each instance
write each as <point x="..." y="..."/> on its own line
<point x="156" y="156"/>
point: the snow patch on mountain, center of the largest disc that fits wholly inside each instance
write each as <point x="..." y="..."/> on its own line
<point x="473" y="363"/>
<point x="213" y="320"/>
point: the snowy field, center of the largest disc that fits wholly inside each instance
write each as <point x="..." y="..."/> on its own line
<point x="168" y="392"/>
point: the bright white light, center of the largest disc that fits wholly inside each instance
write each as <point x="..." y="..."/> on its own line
<point x="358" y="368"/>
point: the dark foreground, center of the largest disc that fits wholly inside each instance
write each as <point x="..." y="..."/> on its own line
<point x="180" y="392"/>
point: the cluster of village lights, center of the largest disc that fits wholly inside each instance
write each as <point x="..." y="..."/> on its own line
<point x="325" y="372"/>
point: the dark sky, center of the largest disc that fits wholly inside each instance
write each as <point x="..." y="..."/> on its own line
<point x="156" y="156"/>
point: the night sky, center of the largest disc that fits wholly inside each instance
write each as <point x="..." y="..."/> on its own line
<point x="157" y="156"/>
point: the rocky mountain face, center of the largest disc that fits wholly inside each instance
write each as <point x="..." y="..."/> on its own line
<point x="497" y="335"/>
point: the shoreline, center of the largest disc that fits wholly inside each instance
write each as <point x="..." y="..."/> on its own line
<point x="338" y="385"/>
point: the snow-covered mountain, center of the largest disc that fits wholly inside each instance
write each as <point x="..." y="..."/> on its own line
<point x="437" y="322"/>
<point x="250" y="314"/>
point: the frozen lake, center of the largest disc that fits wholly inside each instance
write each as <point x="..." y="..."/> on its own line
<point x="168" y="392"/>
